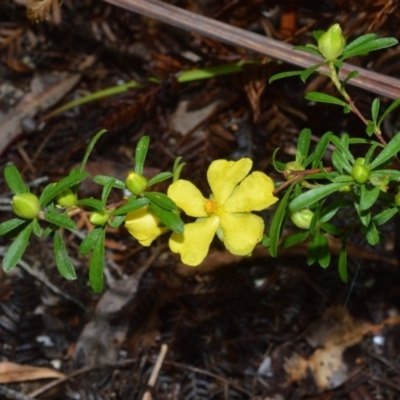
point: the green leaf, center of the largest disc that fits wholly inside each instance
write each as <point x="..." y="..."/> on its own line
<point x="168" y="218"/>
<point x="104" y="179"/>
<point x="329" y="211"/>
<point x="295" y="239"/>
<point x="92" y="204"/>
<point x="62" y="220"/>
<point x="17" y="249"/>
<point x="96" y="265"/>
<point x="370" y="129"/>
<point x="317" y="34"/>
<point x="37" y="230"/>
<point x="351" y="75"/>
<point x="393" y="106"/>
<point x="368" y="196"/>
<point x="392" y="148"/>
<point x="375" y="110"/>
<point x="90" y="240"/>
<point x="363" y="215"/>
<point x="303" y="144"/>
<point x="63" y="262"/>
<point x="368" y="46"/>
<point x="106" y="192"/>
<point x="309" y="71"/>
<point x="159" y="178"/>
<point x="372" y="234"/>
<point x="330" y="228"/>
<point x="343" y="145"/>
<point x="309" y="49"/>
<point x="342" y="264"/>
<point x="10" y="225"/>
<point x="140" y="154"/>
<point x="90" y="148"/>
<point x="278" y="222"/>
<point x="14" y="180"/>
<point x="324" y="98"/>
<point x="117" y="221"/>
<point x="71" y="180"/>
<point x="340" y="163"/>
<point x="360" y="41"/>
<point x="383" y="174"/>
<point x="320" y="149"/>
<point x="161" y="199"/>
<point x="283" y="75"/>
<point x="385" y="216"/>
<point x="318" y="250"/>
<point x="312" y="196"/>
<point x="131" y="205"/>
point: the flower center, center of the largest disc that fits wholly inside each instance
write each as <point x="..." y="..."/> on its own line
<point x="211" y="206"/>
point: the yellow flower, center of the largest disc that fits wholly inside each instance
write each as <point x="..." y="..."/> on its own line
<point x="144" y="225"/>
<point x="227" y="212"/>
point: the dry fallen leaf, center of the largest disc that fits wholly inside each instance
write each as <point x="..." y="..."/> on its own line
<point x="12" y="372"/>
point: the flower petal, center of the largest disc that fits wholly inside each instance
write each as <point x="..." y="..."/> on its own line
<point x="241" y="232"/>
<point x="187" y="197"/>
<point x="255" y="193"/>
<point x="223" y="176"/>
<point x="144" y="226"/>
<point x="194" y="243"/>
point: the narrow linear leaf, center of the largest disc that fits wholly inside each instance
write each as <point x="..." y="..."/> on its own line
<point x="71" y="180"/>
<point x="117" y="221"/>
<point x="372" y="234"/>
<point x="278" y="222"/>
<point x="375" y="106"/>
<point x="340" y="163"/>
<point x="312" y="196"/>
<point x="392" y="107"/>
<point x="385" y="216"/>
<point x="140" y="154"/>
<point x="96" y="265"/>
<point x="131" y="205"/>
<point x="17" y="249"/>
<point x="168" y="218"/>
<point x="318" y="250"/>
<point x="14" y="180"/>
<point x="359" y="42"/>
<point x="369" y="46"/>
<point x="90" y="240"/>
<point x="295" y="239"/>
<point x="89" y="149"/>
<point x="343" y="146"/>
<point x="303" y="145"/>
<point x="61" y="220"/>
<point x="159" y="178"/>
<point x="63" y="262"/>
<point x="283" y="75"/>
<point x="10" y="225"/>
<point x="106" y="192"/>
<point x="161" y="199"/>
<point x="309" y="71"/>
<point x="351" y="75"/>
<point x="309" y="49"/>
<point x="320" y="149"/>
<point x="387" y="153"/>
<point x="104" y="179"/>
<point x="92" y="204"/>
<point x="324" y="98"/>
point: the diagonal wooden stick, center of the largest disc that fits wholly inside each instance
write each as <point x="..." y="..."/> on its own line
<point x="372" y="81"/>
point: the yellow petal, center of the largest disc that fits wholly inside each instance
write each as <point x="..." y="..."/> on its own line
<point x="255" y="193"/>
<point x="144" y="226"/>
<point x="194" y="243"/>
<point x="223" y="176"/>
<point x="187" y="197"/>
<point x="241" y="232"/>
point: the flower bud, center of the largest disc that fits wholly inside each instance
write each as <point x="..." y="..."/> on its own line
<point x="135" y="183"/>
<point x="26" y="205"/>
<point x="331" y="43"/>
<point x="99" y="218"/>
<point x="360" y="172"/>
<point x="302" y="218"/>
<point x="67" y="198"/>
<point x="292" y="166"/>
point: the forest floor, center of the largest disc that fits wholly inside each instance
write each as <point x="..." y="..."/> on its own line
<point x="233" y="328"/>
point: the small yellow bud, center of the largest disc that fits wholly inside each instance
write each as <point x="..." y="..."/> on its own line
<point x="67" y="198"/>
<point x="331" y="43"/>
<point x="136" y="183"/>
<point x="26" y="205"/>
<point x="302" y="218"/>
<point x="99" y="218"/>
<point x="360" y="171"/>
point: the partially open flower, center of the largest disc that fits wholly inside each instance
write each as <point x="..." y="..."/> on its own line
<point x="331" y="43"/>
<point x="226" y="213"/>
<point x="26" y="205"/>
<point x="144" y="225"/>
